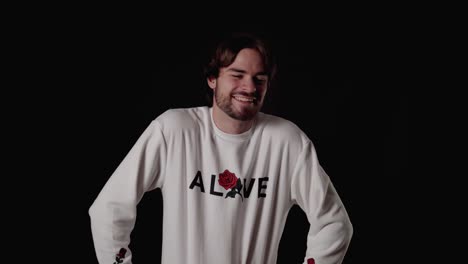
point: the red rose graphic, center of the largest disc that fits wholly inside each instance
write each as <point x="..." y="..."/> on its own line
<point x="311" y="261"/>
<point x="122" y="253"/>
<point x="119" y="257"/>
<point x="227" y="179"/>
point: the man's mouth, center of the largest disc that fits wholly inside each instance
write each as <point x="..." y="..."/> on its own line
<point x="245" y="99"/>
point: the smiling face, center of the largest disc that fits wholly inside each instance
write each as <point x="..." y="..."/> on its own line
<point x="240" y="88"/>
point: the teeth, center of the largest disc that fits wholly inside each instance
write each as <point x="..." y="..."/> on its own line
<point x="244" y="99"/>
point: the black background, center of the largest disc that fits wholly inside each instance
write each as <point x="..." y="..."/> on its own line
<point x="342" y="79"/>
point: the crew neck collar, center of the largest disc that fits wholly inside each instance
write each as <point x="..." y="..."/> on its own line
<point x="232" y="137"/>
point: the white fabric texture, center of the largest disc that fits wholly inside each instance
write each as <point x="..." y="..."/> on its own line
<point x="226" y="197"/>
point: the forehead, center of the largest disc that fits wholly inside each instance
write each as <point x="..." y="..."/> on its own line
<point x="248" y="60"/>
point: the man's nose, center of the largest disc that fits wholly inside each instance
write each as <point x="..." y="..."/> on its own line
<point x="249" y="85"/>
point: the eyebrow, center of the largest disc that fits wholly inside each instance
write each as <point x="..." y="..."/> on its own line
<point x="244" y="72"/>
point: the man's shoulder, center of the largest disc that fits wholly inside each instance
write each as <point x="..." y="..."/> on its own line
<point x="183" y="118"/>
<point x="282" y="128"/>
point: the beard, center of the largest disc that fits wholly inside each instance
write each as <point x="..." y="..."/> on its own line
<point x="224" y="102"/>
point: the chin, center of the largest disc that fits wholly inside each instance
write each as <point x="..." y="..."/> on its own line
<point x="245" y="115"/>
<point x="238" y="112"/>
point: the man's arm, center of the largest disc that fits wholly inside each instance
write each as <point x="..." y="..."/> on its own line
<point x="113" y="213"/>
<point x="330" y="227"/>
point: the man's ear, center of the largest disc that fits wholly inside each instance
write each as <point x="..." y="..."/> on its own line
<point x="211" y="80"/>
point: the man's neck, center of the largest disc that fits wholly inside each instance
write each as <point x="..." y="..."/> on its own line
<point x="228" y="124"/>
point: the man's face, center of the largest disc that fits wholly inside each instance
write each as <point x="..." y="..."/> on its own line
<point x="240" y="87"/>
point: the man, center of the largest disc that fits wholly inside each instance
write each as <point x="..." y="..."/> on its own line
<point x="228" y="175"/>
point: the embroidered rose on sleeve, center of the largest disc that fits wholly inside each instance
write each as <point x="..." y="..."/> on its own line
<point x="228" y="180"/>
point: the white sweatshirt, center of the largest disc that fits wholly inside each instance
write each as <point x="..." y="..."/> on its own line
<point x="226" y="196"/>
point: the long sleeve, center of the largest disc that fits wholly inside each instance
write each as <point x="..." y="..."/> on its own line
<point x="113" y="213"/>
<point x="330" y="227"/>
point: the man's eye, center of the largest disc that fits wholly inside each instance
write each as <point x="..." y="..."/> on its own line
<point x="237" y="76"/>
<point x="259" y="81"/>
